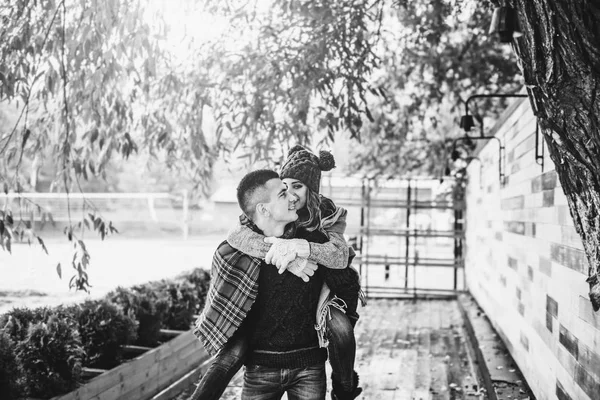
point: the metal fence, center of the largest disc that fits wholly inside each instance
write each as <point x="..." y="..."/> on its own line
<point x="407" y="232"/>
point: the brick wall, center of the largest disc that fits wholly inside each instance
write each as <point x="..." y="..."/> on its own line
<point x="526" y="267"/>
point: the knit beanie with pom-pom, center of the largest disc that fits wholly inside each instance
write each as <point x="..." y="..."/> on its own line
<point x="306" y="167"/>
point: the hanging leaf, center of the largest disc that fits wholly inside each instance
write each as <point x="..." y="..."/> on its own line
<point x="59" y="270"/>
<point x="41" y="242"/>
<point x="25" y="138"/>
<point x="369" y="116"/>
<point x="112" y="228"/>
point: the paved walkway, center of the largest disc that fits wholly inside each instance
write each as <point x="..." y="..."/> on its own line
<point x="409" y="350"/>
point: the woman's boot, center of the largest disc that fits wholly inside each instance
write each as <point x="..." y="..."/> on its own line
<point x="339" y="393"/>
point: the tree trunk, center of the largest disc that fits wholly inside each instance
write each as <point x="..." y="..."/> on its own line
<point x="559" y="54"/>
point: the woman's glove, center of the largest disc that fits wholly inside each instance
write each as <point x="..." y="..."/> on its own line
<point x="284" y="251"/>
<point x="302" y="268"/>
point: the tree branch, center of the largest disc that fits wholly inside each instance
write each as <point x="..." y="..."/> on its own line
<point x="36" y="77"/>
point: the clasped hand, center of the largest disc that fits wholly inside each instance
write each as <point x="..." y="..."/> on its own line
<point x="290" y="254"/>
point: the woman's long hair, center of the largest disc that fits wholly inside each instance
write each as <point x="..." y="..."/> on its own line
<point x="309" y="218"/>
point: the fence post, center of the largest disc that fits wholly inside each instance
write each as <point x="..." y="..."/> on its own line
<point x="151" y="208"/>
<point x="186" y="205"/>
<point x="407" y="239"/>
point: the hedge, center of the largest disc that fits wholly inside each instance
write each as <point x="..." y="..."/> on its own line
<point x="9" y="368"/>
<point x="50" y="358"/>
<point x="43" y="350"/>
<point x="103" y="329"/>
<point x="146" y="307"/>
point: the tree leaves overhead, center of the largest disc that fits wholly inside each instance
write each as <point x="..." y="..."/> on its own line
<point x="93" y="79"/>
<point x="434" y="55"/>
<point x="108" y="83"/>
<point x="70" y="72"/>
<point x="85" y="82"/>
<point x="299" y="67"/>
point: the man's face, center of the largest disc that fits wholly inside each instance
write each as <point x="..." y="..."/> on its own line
<point x="281" y="203"/>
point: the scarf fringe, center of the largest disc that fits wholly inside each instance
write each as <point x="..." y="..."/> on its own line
<point x="362" y="297"/>
<point x="325" y="315"/>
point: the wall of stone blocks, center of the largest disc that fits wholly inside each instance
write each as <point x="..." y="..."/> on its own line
<point x="525" y="264"/>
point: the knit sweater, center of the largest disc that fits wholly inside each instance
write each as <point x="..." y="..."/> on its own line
<point x="281" y="322"/>
<point x="342" y="282"/>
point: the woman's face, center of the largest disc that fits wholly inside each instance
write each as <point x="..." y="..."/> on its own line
<point x="298" y="190"/>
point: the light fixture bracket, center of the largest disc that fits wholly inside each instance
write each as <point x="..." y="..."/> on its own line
<point x="505" y="24"/>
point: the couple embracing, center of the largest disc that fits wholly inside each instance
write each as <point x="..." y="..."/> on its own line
<point x="283" y="296"/>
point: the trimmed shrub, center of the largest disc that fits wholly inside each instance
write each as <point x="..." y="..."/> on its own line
<point x="9" y="368"/>
<point x="42" y="350"/>
<point x="146" y="307"/>
<point x="16" y="322"/>
<point x="103" y="329"/>
<point x="50" y="358"/>
<point x="181" y="298"/>
<point x="200" y="279"/>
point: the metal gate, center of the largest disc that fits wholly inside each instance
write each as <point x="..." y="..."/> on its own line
<point x="408" y="234"/>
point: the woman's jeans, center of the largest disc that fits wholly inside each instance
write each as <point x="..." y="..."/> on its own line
<point x="263" y="383"/>
<point x="341" y="348"/>
<point x="223" y="368"/>
<point x="342" y="352"/>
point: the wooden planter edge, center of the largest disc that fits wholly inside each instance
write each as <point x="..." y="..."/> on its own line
<point x="146" y="375"/>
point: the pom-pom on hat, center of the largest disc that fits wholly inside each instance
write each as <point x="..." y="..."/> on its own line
<point x="306" y="167"/>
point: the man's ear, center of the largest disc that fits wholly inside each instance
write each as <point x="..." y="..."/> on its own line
<point x="262" y="210"/>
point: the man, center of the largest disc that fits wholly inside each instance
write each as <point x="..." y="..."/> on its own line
<point x="278" y="320"/>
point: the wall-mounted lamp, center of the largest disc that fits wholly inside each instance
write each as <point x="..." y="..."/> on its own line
<point x="537" y="108"/>
<point x="501" y="152"/>
<point x="505" y="24"/>
<point x="466" y="121"/>
<point x="539" y="154"/>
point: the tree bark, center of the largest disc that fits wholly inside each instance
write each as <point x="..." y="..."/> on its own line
<point x="559" y="55"/>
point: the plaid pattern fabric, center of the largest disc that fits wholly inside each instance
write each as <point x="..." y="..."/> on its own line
<point x="233" y="289"/>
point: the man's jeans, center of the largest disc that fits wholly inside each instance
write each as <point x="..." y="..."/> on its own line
<point x="342" y="352"/>
<point x="263" y="383"/>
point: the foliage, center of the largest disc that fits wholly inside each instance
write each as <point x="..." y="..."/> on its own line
<point x="50" y="357"/>
<point x="438" y="56"/>
<point x="58" y="53"/>
<point x="181" y="298"/>
<point x="39" y="335"/>
<point x="300" y="67"/>
<point x="271" y="75"/>
<point x="289" y="68"/>
<point x="9" y="368"/>
<point x="261" y="76"/>
<point x="143" y="304"/>
<point x="47" y="347"/>
<point x="16" y="322"/>
<point x="185" y="296"/>
<point x="103" y="329"/>
<point x="199" y="278"/>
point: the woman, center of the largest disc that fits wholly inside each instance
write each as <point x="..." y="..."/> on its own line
<point x="336" y="315"/>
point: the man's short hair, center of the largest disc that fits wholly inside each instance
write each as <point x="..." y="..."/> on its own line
<point x="250" y="191"/>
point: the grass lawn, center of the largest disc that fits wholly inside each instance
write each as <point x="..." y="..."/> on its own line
<point x="29" y="276"/>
